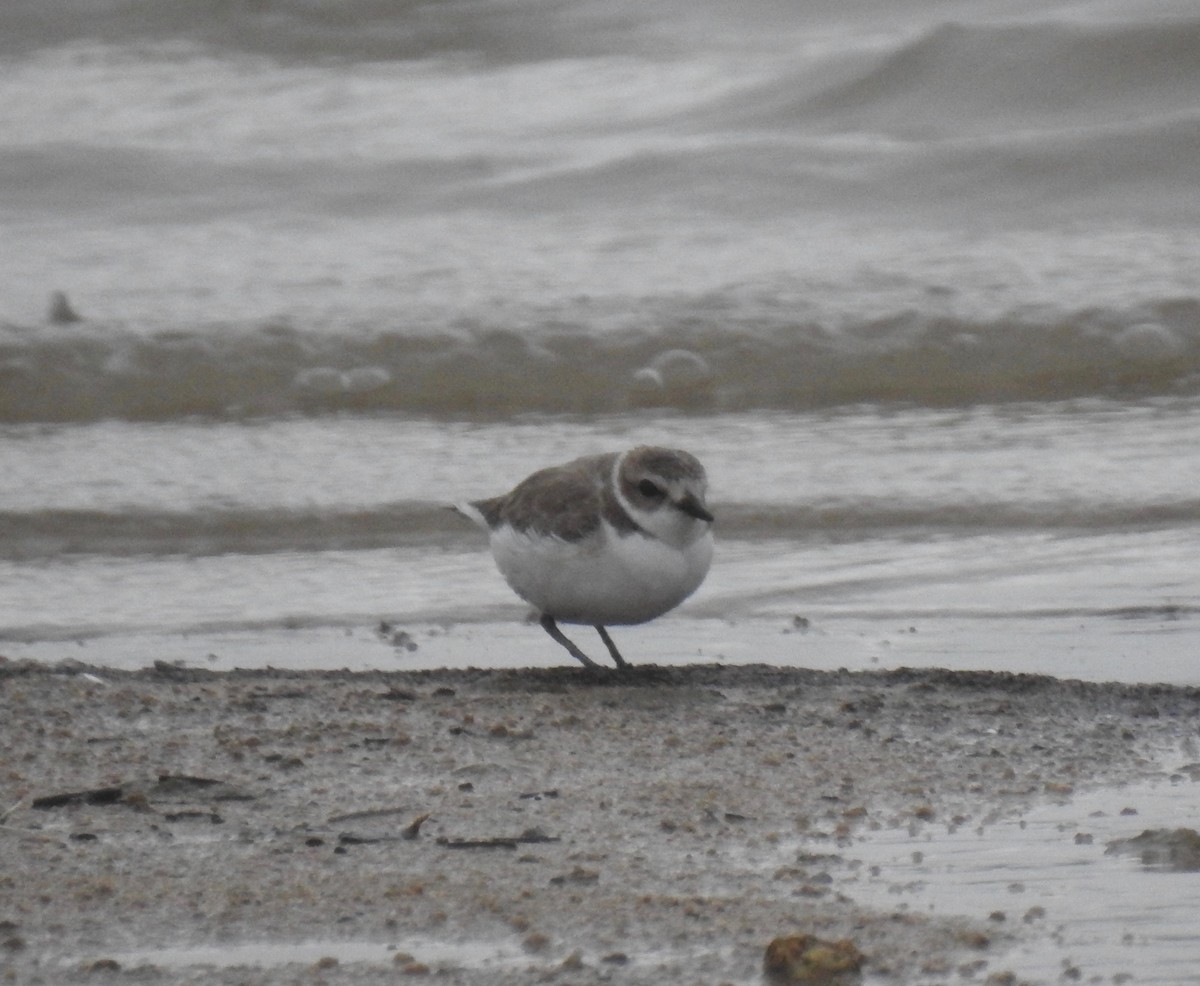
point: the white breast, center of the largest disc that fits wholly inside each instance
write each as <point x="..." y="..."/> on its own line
<point x="605" y="580"/>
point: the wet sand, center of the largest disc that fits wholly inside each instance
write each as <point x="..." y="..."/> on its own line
<point x="519" y="826"/>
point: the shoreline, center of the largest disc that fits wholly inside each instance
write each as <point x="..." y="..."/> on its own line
<point x="508" y="826"/>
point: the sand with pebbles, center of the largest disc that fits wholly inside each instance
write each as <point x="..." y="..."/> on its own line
<point x="495" y="827"/>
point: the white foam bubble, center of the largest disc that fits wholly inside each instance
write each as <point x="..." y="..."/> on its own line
<point x="1148" y="343"/>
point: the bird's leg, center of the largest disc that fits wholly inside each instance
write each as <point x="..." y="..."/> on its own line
<point x="612" y="648"/>
<point x="551" y="628"/>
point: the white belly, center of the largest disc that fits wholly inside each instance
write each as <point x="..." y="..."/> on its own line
<point x="607" y="580"/>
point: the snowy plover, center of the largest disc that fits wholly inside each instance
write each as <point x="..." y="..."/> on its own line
<point x="603" y="540"/>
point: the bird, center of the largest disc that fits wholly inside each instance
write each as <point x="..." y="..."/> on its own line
<point x="614" y="539"/>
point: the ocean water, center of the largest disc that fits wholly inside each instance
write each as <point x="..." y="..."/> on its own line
<point x="916" y="280"/>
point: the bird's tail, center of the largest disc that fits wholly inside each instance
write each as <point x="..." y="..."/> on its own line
<point x="471" y="512"/>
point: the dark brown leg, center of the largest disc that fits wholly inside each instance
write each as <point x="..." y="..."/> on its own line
<point x="612" y="648"/>
<point x="551" y="628"/>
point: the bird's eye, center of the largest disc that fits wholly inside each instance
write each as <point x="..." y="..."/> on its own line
<point x="648" y="489"/>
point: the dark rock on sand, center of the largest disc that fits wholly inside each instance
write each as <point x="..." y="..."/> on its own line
<point x="1171" y="849"/>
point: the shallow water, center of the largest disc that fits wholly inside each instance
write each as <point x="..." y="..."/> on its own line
<point x="1078" y="912"/>
<point x="1052" y="539"/>
<point x="917" y="283"/>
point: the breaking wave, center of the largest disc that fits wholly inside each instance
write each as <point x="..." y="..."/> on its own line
<point x="710" y="363"/>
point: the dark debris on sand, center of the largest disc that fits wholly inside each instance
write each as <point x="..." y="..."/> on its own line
<point x="681" y="818"/>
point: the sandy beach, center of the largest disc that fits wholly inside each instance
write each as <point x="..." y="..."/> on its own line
<point x="173" y="825"/>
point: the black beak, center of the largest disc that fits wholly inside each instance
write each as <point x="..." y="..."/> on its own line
<point x="694" y="508"/>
